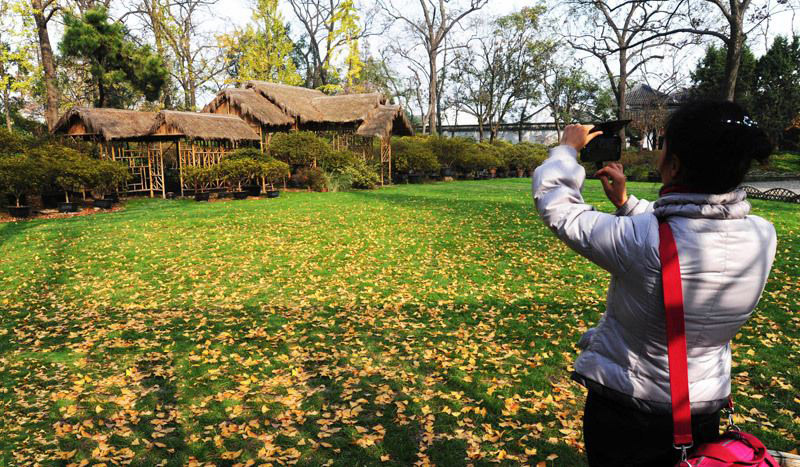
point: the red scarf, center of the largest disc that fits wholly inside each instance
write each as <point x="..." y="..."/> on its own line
<point x="675" y="188"/>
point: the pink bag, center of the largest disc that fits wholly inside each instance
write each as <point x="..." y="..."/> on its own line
<point x="734" y="447"/>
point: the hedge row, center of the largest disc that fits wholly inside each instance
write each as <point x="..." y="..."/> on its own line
<point x="29" y="166"/>
<point x="429" y="155"/>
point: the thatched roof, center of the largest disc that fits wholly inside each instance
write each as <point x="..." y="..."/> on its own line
<point x="386" y="120"/>
<point x="249" y="103"/>
<point x="347" y="108"/>
<point x="202" y="126"/>
<point x="293" y="100"/>
<point x="107" y="124"/>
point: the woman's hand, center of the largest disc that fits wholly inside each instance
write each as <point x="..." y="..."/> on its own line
<point x="578" y="136"/>
<point x="613" y="179"/>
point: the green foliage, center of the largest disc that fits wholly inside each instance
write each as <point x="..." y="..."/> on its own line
<point x="274" y="170"/>
<point x="73" y="171"/>
<point x="776" y="100"/>
<point x="109" y="176"/>
<point x="249" y="153"/>
<point x="263" y="50"/>
<point x="708" y="80"/>
<point x="524" y="156"/>
<point x="361" y="175"/>
<point x="19" y="175"/>
<point x="334" y="160"/>
<point x="311" y="177"/>
<point x="412" y="154"/>
<point x="12" y="142"/>
<point x="236" y="172"/>
<point x="198" y="177"/>
<point x="449" y="150"/>
<point x="298" y="148"/>
<point x="120" y="68"/>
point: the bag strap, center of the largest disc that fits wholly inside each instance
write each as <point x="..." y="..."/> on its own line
<point x="676" y="336"/>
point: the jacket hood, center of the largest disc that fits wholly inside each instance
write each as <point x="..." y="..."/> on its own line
<point x="731" y="205"/>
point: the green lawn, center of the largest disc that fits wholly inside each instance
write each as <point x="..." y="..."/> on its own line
<point x="785" y="162"/>
<point x="421" y="323"/>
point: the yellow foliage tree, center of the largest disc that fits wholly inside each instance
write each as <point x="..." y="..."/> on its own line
<point x="261" y="51"/>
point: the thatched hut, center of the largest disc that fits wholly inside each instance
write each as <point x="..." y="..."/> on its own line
<point x="261" y="114"/>
<point x="201" y="139"/>
<point x="350" y="121"/>
<point x="122" y="135"/>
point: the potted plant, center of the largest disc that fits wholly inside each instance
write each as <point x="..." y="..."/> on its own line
<point x="19" y="176"/>
<point x="74" y="174"/>
<point x="273" y="171"/>
<point x="109" y="176"/>
<point x="236" y="172"/>
<point x="198" y="178"/>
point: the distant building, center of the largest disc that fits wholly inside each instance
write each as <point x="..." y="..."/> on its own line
<point x="649" y="110"/>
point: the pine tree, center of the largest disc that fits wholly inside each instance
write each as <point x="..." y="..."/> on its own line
<point x="121" y="69"/>
<point x="777" y="88"/>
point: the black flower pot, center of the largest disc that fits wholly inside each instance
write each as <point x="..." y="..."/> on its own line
<point x="68" y="207"/>
<point x="201" y="196"/>
<point x="239" y="194"/>
<point x="253" y="190"/>
<point x="20" y="212"/>
<point x="223" y="194"/>
<point x="103" y="203"/>
<point x="113" y="198"/>
<point x="273" y="193"/>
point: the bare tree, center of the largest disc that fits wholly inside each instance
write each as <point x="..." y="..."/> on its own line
<point x="175" y="28"/>
<point x="620" y="35"/>
<point x="43" y="11"/>
<point x="318" y="18"/>
<point x="730" y="21"/>
<point x="438" y="19"/>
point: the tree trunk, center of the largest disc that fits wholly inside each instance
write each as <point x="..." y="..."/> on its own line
<point x="101" y="93"/>
<point x="733" y="58"/>
<point x="480" y="130"/>
<point x="7" y="107"/>
<point x="623" y="88"/>
<point x="432" y="93"/>
<point x="48" y="64"/>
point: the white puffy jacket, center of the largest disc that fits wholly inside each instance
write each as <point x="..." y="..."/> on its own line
<point x="725" y="257"/>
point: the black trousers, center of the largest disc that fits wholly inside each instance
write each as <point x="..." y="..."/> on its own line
<point x="617" y="435"/>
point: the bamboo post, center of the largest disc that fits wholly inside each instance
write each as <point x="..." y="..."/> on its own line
<point x="150" y="169"/>
<point x="163" y="176"/>
<point x="180" y="165"/>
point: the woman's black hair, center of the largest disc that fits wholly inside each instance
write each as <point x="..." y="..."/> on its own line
<point x="715" y="143"/>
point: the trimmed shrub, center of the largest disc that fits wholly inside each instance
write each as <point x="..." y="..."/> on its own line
<point x="311" y="177"/>
<point x="109" y="176"/>
<point x="298" y="148"/>
<point x="19" y="176"/>
<point x="236" y="172"/>
<point x="249" y="153"/>
<point x="413" y="155"/>
<point x="525" y="156"/>
<point x="274" y="171"/>
<point x="361" y="175"/>
<point x="198" y="177"/>
<point x="450" y="152"/>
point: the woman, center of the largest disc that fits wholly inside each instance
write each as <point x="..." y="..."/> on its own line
<point x="725" y="257"/>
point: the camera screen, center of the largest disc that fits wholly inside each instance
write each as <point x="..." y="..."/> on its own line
<point x="602" y="148"/>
